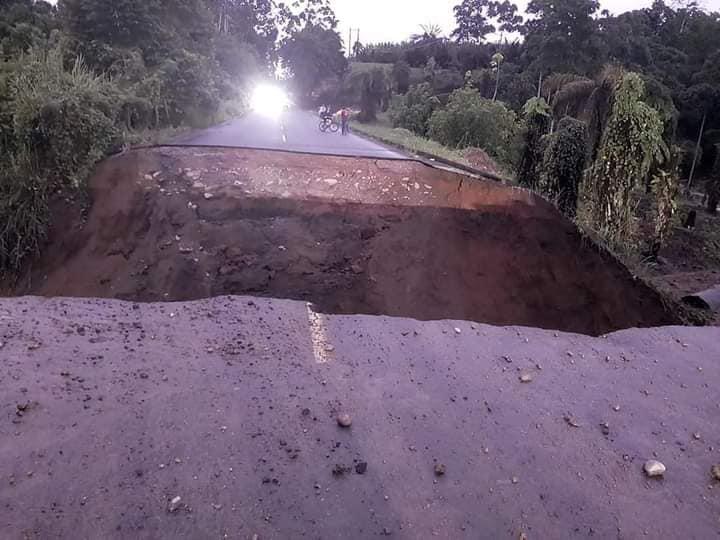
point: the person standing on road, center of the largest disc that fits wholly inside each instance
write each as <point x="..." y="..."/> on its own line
<point x="344" y="120"/>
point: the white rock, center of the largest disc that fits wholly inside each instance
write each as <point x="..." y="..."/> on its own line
<point x="208" y="196"/>
<point x="653" y="467"/>
<point x="174" y="504"/>
<point x="330" y="181"/>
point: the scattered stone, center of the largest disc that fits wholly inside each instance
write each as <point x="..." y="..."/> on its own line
<point x="440" y="469"/>
<point x="185" y="249"/>
<point x="616" y="408"/>
<point x="458" y="331"/>
<point x="356" y="269"/>
<point x="344" y="420"/>
<point x="208" y="196"/>
<point x="174" y="504"/>
<point x="217" y="506"/>
<point x="198" y="185"/>
<point x="654" y="468"/>
<point x="696" y="436"/>
<point x="306" y="412"/>
<point x="329" y="348"/>
<point x="715" y="471"/>
<point x="339" y="470"/>
<point x="386" y="531"/>
<point x="515" y="479"/>
<point x="361" y="467"/>
<point x="605" y="428"/>
<point x="144" y="375"/>
<point x="571" y="421"/>
<point x="330" y="181"/>
<point x="526" y="378"/>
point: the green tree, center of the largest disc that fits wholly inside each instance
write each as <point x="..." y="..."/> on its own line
<point x="704" y="101"/>
<point x="563" y="163"/>
<point x="666" y="185"/>
<point x="413" y="110"/>
<point x="311" y="56"/>
<point x="562" y="35"/>
<point x="469" y="120"/>
<point x="589" y="100"/>
<point x="401" y="76"/>
<point x="536" y="124"/>
<point x="374" y="91"/>
<point x="629" y="145"/>
<point x="475" y="19"/>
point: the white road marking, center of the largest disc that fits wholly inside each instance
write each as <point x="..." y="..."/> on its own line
<point x="322" y="349"/>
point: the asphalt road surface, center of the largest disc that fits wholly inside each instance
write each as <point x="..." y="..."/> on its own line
<point x="302" y="135"/>
<point x="217" y="419"/>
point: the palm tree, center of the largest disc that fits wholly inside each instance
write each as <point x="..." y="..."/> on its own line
<point x="586" y="99"/>
<point x="429" y="32"/>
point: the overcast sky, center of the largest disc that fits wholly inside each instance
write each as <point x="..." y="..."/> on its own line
<point x="394" y="20"/>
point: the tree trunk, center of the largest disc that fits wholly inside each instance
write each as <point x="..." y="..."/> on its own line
<point x="697" y="148"/>
<point x="540" y="86"/>
<point x="497" y="82"/>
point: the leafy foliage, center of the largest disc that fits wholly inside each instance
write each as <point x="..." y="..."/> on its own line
<point x="401" y="76"/>
<point x="629" y="145"/>
<point x="374" y="93"/>
<point x="66" y="119"/>
<point x="311" y="55"/>
<point x="563" y="163"/>
<point x="536" y="123"/>
<point x="470" y="120"/>
<point x="413" y="110"/>
<point x="666" y="186"/>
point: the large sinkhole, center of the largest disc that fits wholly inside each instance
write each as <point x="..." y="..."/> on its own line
<point x="473" y="251"/>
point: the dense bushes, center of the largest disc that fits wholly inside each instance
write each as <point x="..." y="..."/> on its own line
<point x="413" y="110"/>
<point x="536" y="124"/>
<point x="563" y="164"/>
<point x="470" y="120"/>
<point x="65" y="119"/>
<point x="58" y="123"/>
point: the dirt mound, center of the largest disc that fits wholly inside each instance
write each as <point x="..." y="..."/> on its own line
<point x="351" y="236"/>
<point x="479" y="159"/>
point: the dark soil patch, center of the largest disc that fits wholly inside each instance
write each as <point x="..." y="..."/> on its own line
<point x="511" y="260"/>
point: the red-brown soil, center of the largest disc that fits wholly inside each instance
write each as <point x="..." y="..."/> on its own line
<point x="351" y="235"/>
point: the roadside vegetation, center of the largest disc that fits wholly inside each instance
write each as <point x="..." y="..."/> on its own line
<point x="613" y="118"/>
<point x="85" y="78"/>
<point x="407" y="140"/>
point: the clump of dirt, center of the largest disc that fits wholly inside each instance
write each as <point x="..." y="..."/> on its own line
<point x="350" y="235"/>
<point x="479" y="159"/>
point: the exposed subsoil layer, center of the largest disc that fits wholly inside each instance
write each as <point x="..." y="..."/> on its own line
<point x="350" y="235"/>
<point x="109" y="411"/>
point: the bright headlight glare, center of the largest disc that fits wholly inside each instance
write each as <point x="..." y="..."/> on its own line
<point x="269" y="100"/>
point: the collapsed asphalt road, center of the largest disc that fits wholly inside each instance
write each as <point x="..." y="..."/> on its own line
<point x="256" y="131"/>
<point x="217" y="419"/>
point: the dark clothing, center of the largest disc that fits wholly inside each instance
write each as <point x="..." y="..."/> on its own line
<point x="344" y="121"/>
